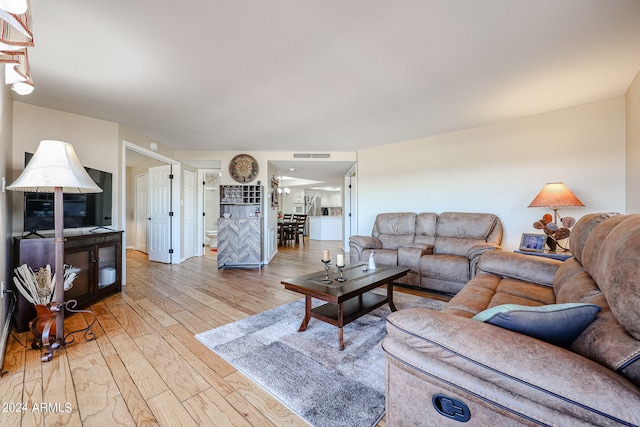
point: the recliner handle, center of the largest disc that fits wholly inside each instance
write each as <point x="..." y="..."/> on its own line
<point x="451" y="408"/>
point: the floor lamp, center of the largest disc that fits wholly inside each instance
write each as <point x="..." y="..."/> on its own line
<point x="55" y="168"/>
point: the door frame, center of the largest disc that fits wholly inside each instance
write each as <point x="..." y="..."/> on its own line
<point x="176" y="237"/>
<point x="191" y="193"/>
<point x="201" y="212"/>
<point x="350" y="205"/>
<point x="140" y="222"/>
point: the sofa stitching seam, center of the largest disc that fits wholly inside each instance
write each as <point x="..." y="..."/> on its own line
<point x="635" y="356"/>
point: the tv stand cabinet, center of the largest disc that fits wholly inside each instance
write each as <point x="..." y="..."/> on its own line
<point x="97" y="255"/>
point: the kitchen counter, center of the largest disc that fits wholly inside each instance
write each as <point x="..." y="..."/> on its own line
<point x="325" y="227"/>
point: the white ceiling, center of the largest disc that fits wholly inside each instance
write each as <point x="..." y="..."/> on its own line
<point x="329" y="75"/>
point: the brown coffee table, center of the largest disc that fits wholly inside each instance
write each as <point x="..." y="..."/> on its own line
<point x="346" y="301"/>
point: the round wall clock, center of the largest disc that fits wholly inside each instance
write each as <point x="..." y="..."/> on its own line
<point x="243" y="168"/>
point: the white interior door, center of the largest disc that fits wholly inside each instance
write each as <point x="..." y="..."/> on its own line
<point x="159" y="210"/>
<point x="189" y="210"/>
<point x="142" y="199"/>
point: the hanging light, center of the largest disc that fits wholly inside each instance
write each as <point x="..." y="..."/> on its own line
<point x="14" y="6"/>
<point x="17" y="72"/>
<point x="15" y="31"/>
<point x="15" y="38"/>
<point x="23" y="88"/>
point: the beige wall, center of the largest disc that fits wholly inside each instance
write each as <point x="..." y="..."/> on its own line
<point x="500" y="168"/>
<point x="633" y="146"/>
<point x="94" y="141"/>
<point x="6" y="144"/>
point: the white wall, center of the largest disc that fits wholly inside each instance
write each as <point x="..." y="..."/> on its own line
<point x="633" y="146"/>
<point x="500" y="168"/>
<point x="94" y="141"/>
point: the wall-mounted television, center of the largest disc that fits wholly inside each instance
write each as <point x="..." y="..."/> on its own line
<point x="80" y="210"/>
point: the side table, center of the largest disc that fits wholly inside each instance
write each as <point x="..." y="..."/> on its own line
<point x="559" y="255"/>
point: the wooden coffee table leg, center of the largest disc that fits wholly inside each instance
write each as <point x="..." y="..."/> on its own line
<point x="307" y="313"/>
<point x="340" y="325"/>
<point x="392" y="306"/>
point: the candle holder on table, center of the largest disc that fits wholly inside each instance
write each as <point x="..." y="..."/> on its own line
<point x="341" y="278"/>
<point x="327" y="265"/>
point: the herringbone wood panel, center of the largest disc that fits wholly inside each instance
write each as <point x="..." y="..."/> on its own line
<point x="239" y="241"/>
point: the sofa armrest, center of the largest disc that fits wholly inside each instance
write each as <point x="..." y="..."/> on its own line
<point x="359" y="243"/>
<point x="476" y="250"/>
<point x="518" y="266"/>
<point x="474" y="253"/>
<point x="509" y="368"/>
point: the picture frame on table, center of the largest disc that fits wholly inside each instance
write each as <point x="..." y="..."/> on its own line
<point x="531" y="242"/>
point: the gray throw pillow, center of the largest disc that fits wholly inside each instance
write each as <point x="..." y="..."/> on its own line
<point x="558" y="324"/>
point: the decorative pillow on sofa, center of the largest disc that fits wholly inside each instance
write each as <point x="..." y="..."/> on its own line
<point x="558" y="324"/>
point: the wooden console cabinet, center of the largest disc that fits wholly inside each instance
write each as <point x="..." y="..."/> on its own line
<point x="98" y="256"/>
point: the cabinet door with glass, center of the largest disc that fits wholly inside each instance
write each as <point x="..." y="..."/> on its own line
<point x="108" y="261"/>
<point x="81" y="260"/>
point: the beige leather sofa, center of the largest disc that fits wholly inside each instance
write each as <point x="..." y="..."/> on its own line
<point x="443" y="367"/>
<point x="441" y="250"/>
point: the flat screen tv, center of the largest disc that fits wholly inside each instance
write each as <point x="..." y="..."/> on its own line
<point x="80" y="210"/>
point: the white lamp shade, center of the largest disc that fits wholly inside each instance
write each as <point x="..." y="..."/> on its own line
<point x="55" y="164"/>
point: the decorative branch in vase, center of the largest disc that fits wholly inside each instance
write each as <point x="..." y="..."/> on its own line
<point x="38" y="287"/>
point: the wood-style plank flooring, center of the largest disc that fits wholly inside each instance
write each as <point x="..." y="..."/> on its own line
<point x="146" y="368"/>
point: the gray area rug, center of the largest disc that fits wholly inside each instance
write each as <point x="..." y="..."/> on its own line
<point x="305" y="370"/>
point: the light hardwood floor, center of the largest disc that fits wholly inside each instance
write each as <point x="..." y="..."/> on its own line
<point x="146" y="368"/>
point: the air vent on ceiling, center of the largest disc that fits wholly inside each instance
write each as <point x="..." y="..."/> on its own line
<point x="311" y="156"/>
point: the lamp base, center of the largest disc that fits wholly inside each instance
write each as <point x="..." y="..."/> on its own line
<point x="44" y="328"/>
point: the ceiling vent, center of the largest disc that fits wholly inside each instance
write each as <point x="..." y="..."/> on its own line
<point x="311" y="156"/>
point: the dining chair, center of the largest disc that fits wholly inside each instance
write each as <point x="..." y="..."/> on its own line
<point x="300" y="221"/>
